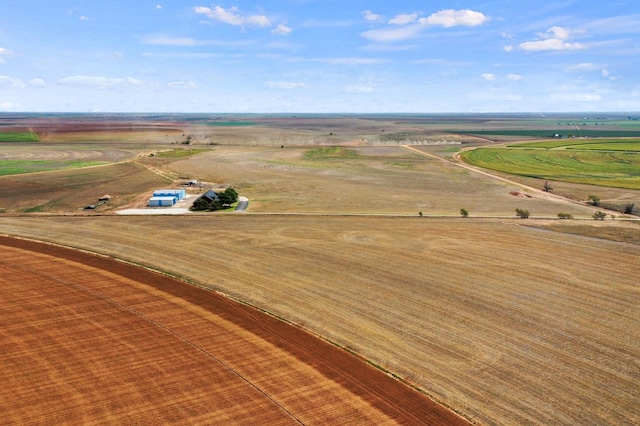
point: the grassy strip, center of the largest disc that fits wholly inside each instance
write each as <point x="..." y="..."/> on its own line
<point x="19" y="137"/>
<point x="330" y="152"/>
<point x="180" y="153"/>
<point x="593" y="144"/>
<point x="603" y="168"/>
<point x="549" y="133"/>
<point x="14" y="167"/>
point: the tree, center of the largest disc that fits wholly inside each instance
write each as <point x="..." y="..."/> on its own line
<point x="565" y="216"/>
<point x="228" y="197"/>
<point x="420" y="213"/>
<point x="522" y="214"/>
<point x="200" y="204"/>
<point x="599" y="215"/>
<point x="594" y="200"/>
<point x="547" y="186"/>
<point x="464" y="212"/>
<point x="628" y="208"/>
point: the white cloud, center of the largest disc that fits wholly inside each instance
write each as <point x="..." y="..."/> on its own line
<point x="233" y="16"/>
<point x="514" y="77"/>
<point x="282" y="29"/>
<point x="170" y="41"/>
<point x="549" y="44"/>
<point x="556" y="32"/>
<point x="488" y="76"/>
<point x="159" y="6"/>
<point x="182" y="85"/>
<point x="352" y="61"/>
<point x="99" y="82"/>
<point x="11" y="82"/>
<point x="404" y="19"/>
<point x="585" y="66"/>
<point x="83" y="18"/>
<point x="283" y="85"/>
<point x="455" y="18"/>
<point x="372" y="17"/>
<point x="37" y="82"/>
<point x="555" y="38"/>
<point x="4" y="53"/>
<point x="364" y="87"/>
<point x="508" y="48"/>
<point x="7" y="106"/>
<point x="388" y="35"/>
<point x="575" y="97"/>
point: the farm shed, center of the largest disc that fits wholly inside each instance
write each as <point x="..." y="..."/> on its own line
<point x="179" y="194"/>
<point x="210" y="196"/>
<point x="159" y="201"/>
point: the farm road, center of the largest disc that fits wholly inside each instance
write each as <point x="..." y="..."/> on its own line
<point x="459" y="163"/>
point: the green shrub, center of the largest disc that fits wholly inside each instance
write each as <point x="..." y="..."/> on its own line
<point x="599" y="215"/>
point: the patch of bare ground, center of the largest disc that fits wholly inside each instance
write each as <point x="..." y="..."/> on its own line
<point x="505" y="324"/>
<point x="89" y="340"/>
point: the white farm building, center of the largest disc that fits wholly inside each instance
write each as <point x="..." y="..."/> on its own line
<point x="166" y="197"/>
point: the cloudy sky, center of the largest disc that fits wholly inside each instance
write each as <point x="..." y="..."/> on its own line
<point x="320" y="56"/>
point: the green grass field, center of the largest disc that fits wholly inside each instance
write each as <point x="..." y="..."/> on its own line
<point x="179" y="153"/>
<point x="565" y="132"/>
<point x="632" y="145"/>
<point x="612" y="163"/>
<point x="19" y="137"/>
<point x="15" y="167"/>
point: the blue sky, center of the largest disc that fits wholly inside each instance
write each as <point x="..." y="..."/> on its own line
<point x="319" y="56"/>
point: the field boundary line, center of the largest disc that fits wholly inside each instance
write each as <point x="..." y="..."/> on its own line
<point x="460" y="163"/>
<point x="165" y="328"/>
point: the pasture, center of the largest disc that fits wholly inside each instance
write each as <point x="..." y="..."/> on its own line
<point x="18" y="137"/>
<point x="504" y="321"/>
<point x="609" y="163"/>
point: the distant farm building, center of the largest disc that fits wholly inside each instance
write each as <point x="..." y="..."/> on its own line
<point x="166" y="197"/>
<point x="162" y="201"/>
<point x="210" y="196"/>
<point x="180" y="194"/>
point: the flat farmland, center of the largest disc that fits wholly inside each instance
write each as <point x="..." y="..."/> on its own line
<point x="68" y="191"/>
<point x="505" y="323"/>
<point x="88" y="340"/>
<point x="362" y="180"/>
<point x="608" y="163"/>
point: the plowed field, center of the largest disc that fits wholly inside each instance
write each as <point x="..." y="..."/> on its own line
<point x="507" y="324"/>
<point x="88" y="340"/>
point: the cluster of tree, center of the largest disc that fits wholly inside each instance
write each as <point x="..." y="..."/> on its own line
<point x="225" y="199"/>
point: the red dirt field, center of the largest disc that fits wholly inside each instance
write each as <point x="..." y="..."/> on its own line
<point x="87" y="339"/>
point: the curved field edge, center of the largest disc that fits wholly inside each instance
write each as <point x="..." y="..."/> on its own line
<point x="500" y="322"/>
<point x="331" y="385"/>
<point x="618" y="169"/>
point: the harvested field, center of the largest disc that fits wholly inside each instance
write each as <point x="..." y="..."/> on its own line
<point x="506" y="324"/>
<point x="369" y="180"/>
<point x="69" y="191"/>
<point x="88" y="340"/>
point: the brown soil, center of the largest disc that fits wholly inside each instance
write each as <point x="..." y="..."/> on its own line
<point x="87" y="339"/>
